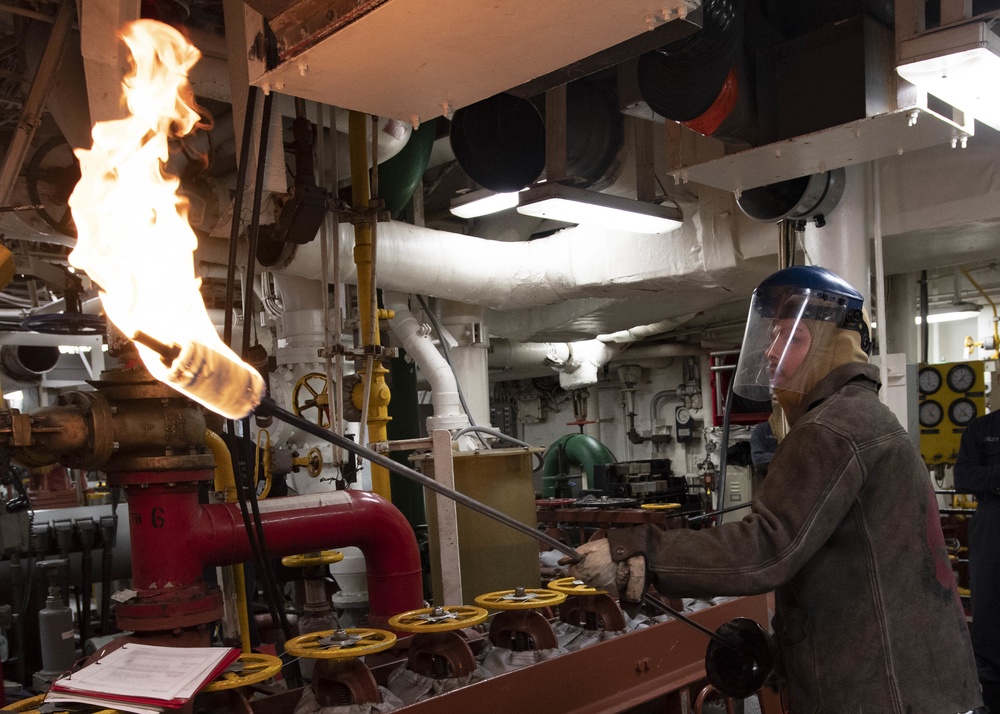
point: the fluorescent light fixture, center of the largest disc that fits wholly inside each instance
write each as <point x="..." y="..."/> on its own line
<point x="482" y="203"/>
<point x="576" y="205"/>
<point x="959" y="65"/>
<point x="17" y="396"/>
<point x="951" y="313"/>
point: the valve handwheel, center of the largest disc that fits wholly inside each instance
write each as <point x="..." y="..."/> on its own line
<point x="248" y="669"/>
<point x="340" y="644"/>
<point x="572" y="586"/>
<point x="438" y="619"/>
<point x="31" y="706"/>
<point x="312" y="391"/>
<point x="521" y="599"/>
<point x="311" y="560"/>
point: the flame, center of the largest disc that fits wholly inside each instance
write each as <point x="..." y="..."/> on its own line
<point x="134" y="240"/>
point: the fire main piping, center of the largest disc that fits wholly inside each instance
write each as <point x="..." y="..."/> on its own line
<point x="173" y="538"/>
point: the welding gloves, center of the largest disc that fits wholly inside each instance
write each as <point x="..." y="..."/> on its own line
<point x="597" y="569"/>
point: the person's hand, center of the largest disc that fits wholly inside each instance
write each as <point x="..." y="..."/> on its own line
<point x="626" y="578"/>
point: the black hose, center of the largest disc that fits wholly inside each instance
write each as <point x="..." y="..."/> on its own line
<point x="724" y="447"/>
<point x="234" y="229"/>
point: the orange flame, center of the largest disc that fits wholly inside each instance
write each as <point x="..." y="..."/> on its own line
<point x="134" y="240"/>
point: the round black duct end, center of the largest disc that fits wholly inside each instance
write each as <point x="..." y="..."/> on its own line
<point x="594" y="132"/>
<point x="738" y="673"/>
<point x="27" y="363"/>
<point x="499" y="142"/>
<point x="801" y="198"/>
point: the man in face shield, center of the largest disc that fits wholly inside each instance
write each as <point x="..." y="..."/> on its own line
<point x="845" y="528"/>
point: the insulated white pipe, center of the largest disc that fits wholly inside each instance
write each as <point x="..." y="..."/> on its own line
<point x="842" y="244"/>
<point x="416" y="340"/>
<point x="577" y="262"/>
<point x="578" y="363"/>
<point x="467" y="324"/>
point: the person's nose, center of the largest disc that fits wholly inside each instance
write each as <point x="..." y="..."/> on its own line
<point x="773" y="352"/>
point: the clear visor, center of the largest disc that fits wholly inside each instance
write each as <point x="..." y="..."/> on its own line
<point x="788" y="341"/>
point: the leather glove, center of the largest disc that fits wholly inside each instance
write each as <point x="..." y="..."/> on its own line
<point x="597" y="569"/>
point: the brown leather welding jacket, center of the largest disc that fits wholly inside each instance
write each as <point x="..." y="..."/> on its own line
<point x="846" y="530"/>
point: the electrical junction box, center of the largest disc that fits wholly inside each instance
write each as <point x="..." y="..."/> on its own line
<point x="530" y="410"/>
<point x="951" y="394"/>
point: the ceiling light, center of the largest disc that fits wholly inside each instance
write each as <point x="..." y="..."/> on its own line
<point x="959" y="65"/>
<point x="951" y="312"/>
<point x="577" y="205"/>
<point x="482" y="203"/>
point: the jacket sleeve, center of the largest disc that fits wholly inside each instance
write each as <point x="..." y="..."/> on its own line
<point x="812" y="483"/>
<point x="972" y="472"/>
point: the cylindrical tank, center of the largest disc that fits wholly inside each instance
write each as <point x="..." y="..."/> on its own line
<point x="492" y="556"/>
<point x="55" y="630"/>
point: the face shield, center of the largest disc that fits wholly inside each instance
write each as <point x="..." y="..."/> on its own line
<point x="795" y="336"/>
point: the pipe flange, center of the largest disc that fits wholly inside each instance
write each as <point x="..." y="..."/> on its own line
<point x="97" y="412"/>
<point x="170" y="609"/>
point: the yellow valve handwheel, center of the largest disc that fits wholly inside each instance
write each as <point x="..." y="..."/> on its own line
<point x="31" y="705"/>
<point x="660" y="506"/>
<point x="311" y="560"/>
<point x="248" y="669"/>
<point x="314" y="391"/>
<point x="438" y="619"/>
<point x="340" y="644"/>
<point x="572" y="586"/>
<point x="520" y="599"/>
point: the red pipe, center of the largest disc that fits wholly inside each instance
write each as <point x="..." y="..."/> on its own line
<point x="174" y="538"/>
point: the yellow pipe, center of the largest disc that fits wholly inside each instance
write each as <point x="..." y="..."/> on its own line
<point x="225" y="483"/>
<point x="996" y="321"/>
<point x="364" y="251"/>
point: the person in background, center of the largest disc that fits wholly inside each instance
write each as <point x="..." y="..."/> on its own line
<point x="977" y="471"/>
<point x="845" y="527"/>
<point x="763" y="444"/>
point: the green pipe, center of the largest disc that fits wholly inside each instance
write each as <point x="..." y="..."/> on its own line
<point x="581" y="450"/>
<point x="400" y="176"/>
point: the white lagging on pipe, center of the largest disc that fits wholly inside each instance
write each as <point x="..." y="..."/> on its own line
<point x="416" y="340"/>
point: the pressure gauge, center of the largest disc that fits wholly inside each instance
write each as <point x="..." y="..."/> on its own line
<point x="928" y="380"/>
<point x="684" y="425"/>
<point x="961" y="378"/>
<point x="962" y="411"/>
<point x="930" y="413"/>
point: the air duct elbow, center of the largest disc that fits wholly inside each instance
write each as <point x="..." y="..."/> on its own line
<point x="27" y="363"/>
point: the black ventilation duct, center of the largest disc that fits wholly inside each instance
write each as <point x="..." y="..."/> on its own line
<point x="500" y="142"/>
<point x="681" y="80"/>
<point x="27" y="363"/>
<point x="807" y="197"/>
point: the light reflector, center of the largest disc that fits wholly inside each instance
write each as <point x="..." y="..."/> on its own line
<point x="958" y="65"/>
<point x="576" y="205"/>
<point x="482" y="203"/>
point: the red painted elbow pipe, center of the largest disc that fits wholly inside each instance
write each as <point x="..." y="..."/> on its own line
<point x="174" y="538"/>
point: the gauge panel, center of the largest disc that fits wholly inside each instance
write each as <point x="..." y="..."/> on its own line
<point x="929" y="380"/>
<point x="962" y="411"/>
<point x="930" y="413"/>
<point x="961" y="378"/>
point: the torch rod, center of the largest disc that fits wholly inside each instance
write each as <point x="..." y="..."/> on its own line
<point x="268" y="407"/>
